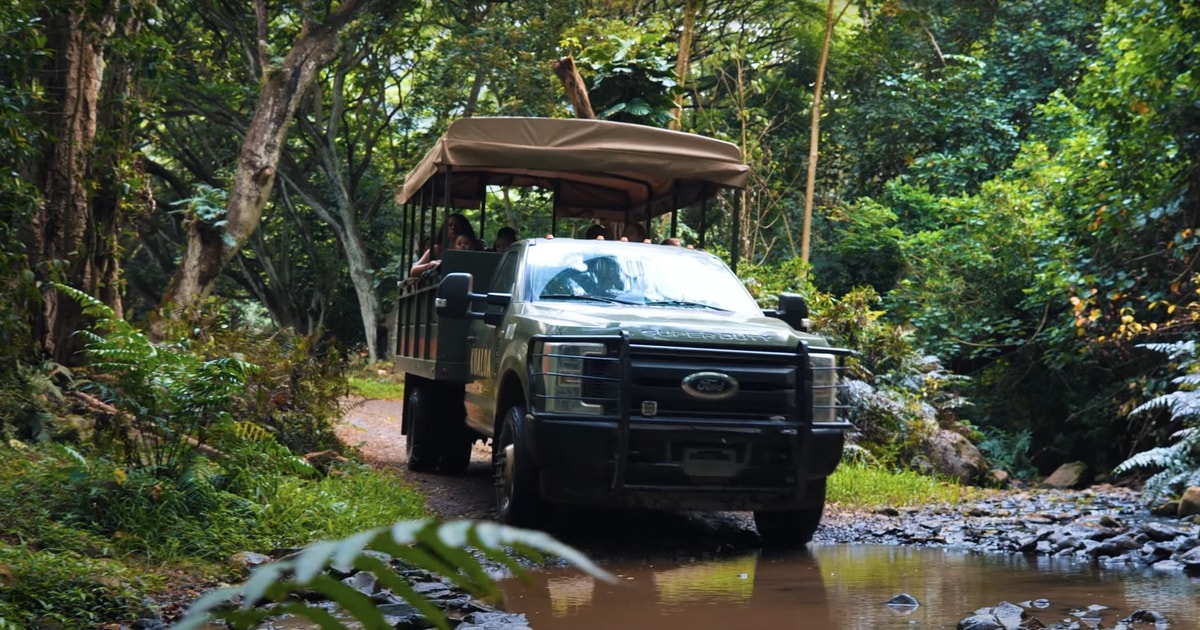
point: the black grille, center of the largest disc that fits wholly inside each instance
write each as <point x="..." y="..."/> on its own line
<point x="767" y="382"/>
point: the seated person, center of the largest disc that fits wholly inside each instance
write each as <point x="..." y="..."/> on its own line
<point x="634" y="233"/>
<point x="505" y="236"/>
<point x="600" y="276"/>
<point x="596" y="232"/>
<point x="430" y="259"/>
<point x="467" y="241"/>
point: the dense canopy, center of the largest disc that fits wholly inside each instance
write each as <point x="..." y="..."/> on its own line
<point x="1004" y="194"/>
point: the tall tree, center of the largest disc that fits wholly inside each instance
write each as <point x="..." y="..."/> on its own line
<point x="810" y="185"/>
<point x="72" y="237"/>
<point x="211" y="245"/>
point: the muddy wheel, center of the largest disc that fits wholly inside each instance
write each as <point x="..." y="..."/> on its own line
<point x="456" y="438"/>
<point x="421" y="443"/>
<point x="792" y="528"/>
<point x="518" y="498"/>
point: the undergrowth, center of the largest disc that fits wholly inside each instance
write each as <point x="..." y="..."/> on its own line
<point x="376" y="382"/>
<point x="81" y="546"/>
<point x="858" y="485"/>
<point x="173" y="454"/>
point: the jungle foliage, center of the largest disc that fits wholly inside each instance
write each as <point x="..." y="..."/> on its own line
<point x="1006" y="204"/>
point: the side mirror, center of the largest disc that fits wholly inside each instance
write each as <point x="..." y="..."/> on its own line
<point x="793" y="310"/>
<point x="455" y="295"/>
<point x="493" y="316"/>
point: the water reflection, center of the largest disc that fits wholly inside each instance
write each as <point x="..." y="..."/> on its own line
<point x="844" y="586"/>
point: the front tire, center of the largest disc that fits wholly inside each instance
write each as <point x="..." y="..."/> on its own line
<point x="784" y="529"/>
<point x="518" y="496"/>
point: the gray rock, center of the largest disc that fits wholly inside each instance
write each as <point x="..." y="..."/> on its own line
<point x="1167" y="566"/>
<point x="953" y="455"/>
<point x="1070" y="475"/>
<point x="980" y="622"/>
<point x="364" y="582"/>
<point x="996" y="478"/>
<point x="903" y="600"/>
<point x="1008" y="614"/>
<point x="245" y="562"/>
<point x="1142" y="615"/>
<point x="494" y="621"/>
<point x="1159" y="532"/>
<point x="1189" y="503"/>
<point x="1190" y="560"/>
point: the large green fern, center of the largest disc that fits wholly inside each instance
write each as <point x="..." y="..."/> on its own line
<point x="170" y="397"/>
<point x="1177" y="464"/>
<point x="442" y="548"/>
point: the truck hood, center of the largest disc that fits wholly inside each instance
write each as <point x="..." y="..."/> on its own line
<point x="662" y="324"/>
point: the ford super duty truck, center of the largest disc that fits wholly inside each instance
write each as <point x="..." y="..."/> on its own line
<point x="607" y="373"/>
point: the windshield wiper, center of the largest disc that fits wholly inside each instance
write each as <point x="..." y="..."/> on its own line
<point x="594" y="298"/>
<point x="686" y="304"/>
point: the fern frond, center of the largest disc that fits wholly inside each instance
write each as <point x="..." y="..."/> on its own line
<point x="1181" y="403"/>
<point x="1155" y="458"/>
<point x="1174" y="350"/>
<point x="251" y="432"/>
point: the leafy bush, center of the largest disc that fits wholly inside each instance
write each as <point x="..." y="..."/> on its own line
<point x="89" y="517"/>
<point x="1178" y="464"/>
<point x="898" y="395"/>
<point x="215" y="509"/>
<point x="67" y="588"/>
<point x="168" y="399"/>
<point x="1009" y="451"/>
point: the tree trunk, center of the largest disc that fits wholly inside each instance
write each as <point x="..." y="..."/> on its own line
<point x="815" y="131"/>
<point x="683" y="61"/>
<point x="60" y="243"/>
<point x="210" y="247"/>
<point x="568" y="74"/>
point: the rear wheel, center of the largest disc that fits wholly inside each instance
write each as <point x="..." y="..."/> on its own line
<point x="420" y="443"/>
<point x="781" y="529"/>
<point x="457" y="437"/>
<point x="518" y="497"/>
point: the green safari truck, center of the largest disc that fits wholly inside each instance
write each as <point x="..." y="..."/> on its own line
<point x="609" y="373"/>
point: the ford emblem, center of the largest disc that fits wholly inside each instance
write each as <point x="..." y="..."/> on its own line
<point x="710" y="385"/>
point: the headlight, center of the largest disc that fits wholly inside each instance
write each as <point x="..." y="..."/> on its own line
<point x="824" y="387"/>
<point x="568" y="372"/>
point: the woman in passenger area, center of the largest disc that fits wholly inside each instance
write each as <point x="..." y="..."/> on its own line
<point x="430" y="259"/>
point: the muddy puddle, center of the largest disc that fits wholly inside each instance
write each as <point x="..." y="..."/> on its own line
<point x="846" y="587"/>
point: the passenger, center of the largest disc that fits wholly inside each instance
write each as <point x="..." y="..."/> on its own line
<point x="505" y="236"/>
<point x="596" y="232"/>
<point x="634" y="233"/>
<point x="465" y="242"/>
<point x="430" y="259"/>
<point x="671" y="240"/>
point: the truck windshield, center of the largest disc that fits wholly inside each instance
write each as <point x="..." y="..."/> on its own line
<point x="634" y="273"/>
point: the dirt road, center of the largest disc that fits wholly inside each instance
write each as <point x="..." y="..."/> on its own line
<point x="373" y="426"/>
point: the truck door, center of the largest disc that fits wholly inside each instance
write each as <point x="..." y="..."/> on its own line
<point x="483" y="344"/>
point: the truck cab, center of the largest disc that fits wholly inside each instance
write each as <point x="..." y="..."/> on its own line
<point x="620" y="374"/>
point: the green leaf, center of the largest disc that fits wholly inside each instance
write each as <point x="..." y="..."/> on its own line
<point x="355" y="603"/>
<point x="314" y="559"/>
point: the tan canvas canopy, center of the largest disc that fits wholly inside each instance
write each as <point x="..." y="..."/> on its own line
<point x="596" y="168"/>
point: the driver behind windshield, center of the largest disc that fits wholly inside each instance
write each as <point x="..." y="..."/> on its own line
<point x="599" y="276"/>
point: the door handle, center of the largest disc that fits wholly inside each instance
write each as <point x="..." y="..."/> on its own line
<point x="471" y="339"/>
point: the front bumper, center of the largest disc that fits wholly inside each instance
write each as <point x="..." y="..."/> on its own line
<point x="681" y="465"/>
